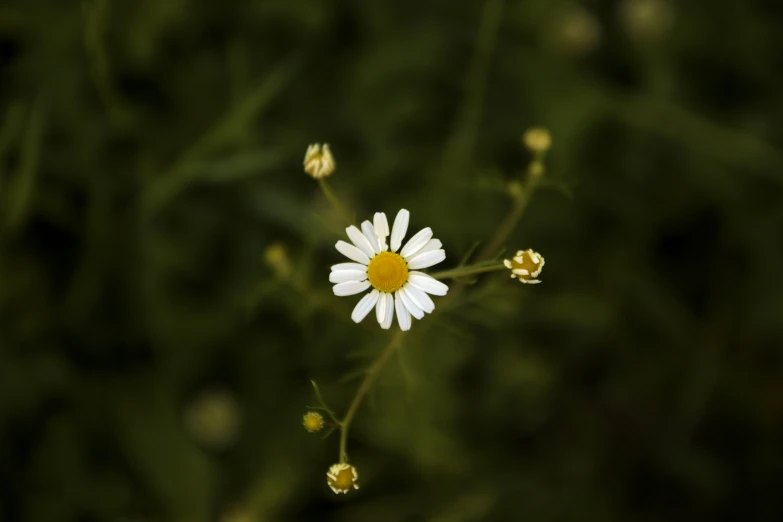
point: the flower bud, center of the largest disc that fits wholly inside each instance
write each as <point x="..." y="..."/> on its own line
<point x="537" y="140"/>
<point x="312" y="421"/>
<point x="525" y="266"/>
<point x="318" y="161"/>
<point x="342" y="477"/>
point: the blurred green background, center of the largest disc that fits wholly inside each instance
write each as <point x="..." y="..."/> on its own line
<point x="154" y="367"/>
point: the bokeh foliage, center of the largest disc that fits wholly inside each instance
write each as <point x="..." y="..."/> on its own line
<point x="153" y="367"/>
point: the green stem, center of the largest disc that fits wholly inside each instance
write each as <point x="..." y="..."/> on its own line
<point x="468" y="270"/>
<point x="534" y="172"/>
<point x="323" y="406"/>
<point x="515" y="213"/>
<point x="364" y="387"/>
<point x="461" y="144"/>
<point x="335" y="201"/>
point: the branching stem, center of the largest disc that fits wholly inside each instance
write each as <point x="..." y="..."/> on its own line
<point x="369" y="380"/>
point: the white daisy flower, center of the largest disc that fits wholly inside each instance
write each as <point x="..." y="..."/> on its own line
<point x="397" y="285"/>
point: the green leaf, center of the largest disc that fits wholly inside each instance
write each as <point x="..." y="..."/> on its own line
<point x="22" y="186"/>
<point x="226" y="132"/>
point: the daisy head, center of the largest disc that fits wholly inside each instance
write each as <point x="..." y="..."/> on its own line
<point x="342" y="478"/>
<point x="395" y="282"/>
<point x="526" y="266"/>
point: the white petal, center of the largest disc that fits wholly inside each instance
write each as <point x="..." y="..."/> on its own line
<point x="384" y="310"/>
<point x="389" y="319"/>
<point x="425" y="250"/>
<point x="381" y="225"/>
<point x="432" y="244"/>
<point x="360" y="241"/>
<point x="410" y="304"/>
<point x="348" y="266"/>
<point x="350" y="288"/>
<point x="399" y="229"/>
<point x="427" y="259"/>
<point x="403" y="315"/>
<point x="351" y="252"/>
<point x="380" y="308"/>
<point x="419" y="297"/>
<point x="415" y="243"/>
<point x="369" y="233"/>
<point x="427" y="284"/>
<point x="341" y="276"/>
<point x="364" y="306"/>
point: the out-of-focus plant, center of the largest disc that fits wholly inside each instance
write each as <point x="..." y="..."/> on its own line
<point x="397" y="287"/>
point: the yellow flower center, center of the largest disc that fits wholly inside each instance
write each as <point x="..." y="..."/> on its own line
<point x="343" y="481"/>
<point x="528" y="261"/>
<point x="313" y="421"/>
<point x="387" y="272"/>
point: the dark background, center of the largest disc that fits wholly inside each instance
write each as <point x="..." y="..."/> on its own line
<point x="154" y="367"/>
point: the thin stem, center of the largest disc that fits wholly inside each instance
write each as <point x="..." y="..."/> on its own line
<point x="468" y="270"/>
<point x="323" y="406"/>
<point x="95" y="36"/>
<point x="334" y="201"/>
<point x="459" y="150"/>
<point x="364" y="387"/>
<point x="511" y="220"/>
<point x="534" y="172"/>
